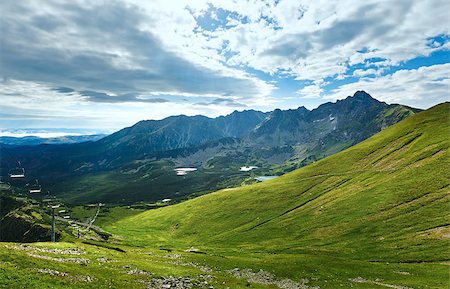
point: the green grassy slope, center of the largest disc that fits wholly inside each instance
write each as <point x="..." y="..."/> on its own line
<point x="385" y="199"/>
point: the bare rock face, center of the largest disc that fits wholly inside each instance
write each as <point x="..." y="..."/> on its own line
<point x="352" y="119"/>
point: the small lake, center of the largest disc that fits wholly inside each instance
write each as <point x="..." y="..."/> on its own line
<point x="184" y="171"/>
<point x="265" y="178"/>
<point x="247" y="169"/>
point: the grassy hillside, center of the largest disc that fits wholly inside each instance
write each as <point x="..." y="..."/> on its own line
<point x="383" y="200"/>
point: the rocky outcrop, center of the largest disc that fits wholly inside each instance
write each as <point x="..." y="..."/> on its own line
<point x="21" y="223"/>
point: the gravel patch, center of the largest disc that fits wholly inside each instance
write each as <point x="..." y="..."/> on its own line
<point x="202" y="268"/>
<point x="83" y="278"/>
<point x="402" y="272"/>
<point x="267" y="278"/>
<point x="378" y="282"/>
<point x="63" y="260"/>
<point x="170" y="282"/>
<point x="105" y="260"/>
<point x="47" y="250"/>
<point x="202" y="281"/>
<point x="193" y="250"/>
<point x="135" y="271"/>
<point x="172" y="256"/>
<point x="52" y="272"/>
<point x="56" y="273"/>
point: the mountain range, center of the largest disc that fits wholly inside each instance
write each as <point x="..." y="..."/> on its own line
<point x="352" y="119"/>
<point x="35" y="140"/>
<point x="137" y="163"/>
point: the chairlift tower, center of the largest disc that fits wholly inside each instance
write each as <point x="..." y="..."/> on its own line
<point x="53" y="226"/>
<point x="53" y="239"/>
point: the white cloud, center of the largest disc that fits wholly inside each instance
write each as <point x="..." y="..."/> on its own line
<point x="367" y="72"/>
<point x="320" y="38"/>
<point x="310" y="91"/>
<point x="422" y="87"/>
<point x="118" y="48"/>
<point x="135" y="49"/>
<point x="27" y="104"/>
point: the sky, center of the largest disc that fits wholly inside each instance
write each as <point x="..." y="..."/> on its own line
<point x="99" y="66"/>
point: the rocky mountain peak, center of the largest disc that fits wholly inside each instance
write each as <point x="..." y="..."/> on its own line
<point x="363" y="96"/>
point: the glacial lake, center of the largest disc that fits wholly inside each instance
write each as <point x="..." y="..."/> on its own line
<point x="265" y="178"/>
<point x="184" y="171"/>
<point x="247" y="169"/>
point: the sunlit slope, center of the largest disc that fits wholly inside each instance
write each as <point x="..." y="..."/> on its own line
<point x="386" y="198"/>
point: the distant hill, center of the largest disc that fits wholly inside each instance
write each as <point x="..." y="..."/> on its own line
<point x="382" y="200"/>
<point x="34" y="140"/>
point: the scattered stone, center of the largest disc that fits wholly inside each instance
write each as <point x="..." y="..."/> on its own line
<point x="267" y="278"/>
<point x="359" y="280"/>
<point x="83" y="278"/>
<point x="76" y="278"/>
<point x="52" y="272"/>
<point x="194" y="250"/>
<point x="172" y="256"/>
<point x="63" y="260"/>
<point x="104" y="260"/>
<point x="138" y="272"/>
<point x="402" y="273"/>
<point x="206" y="277"/>
<point x="47" y="250"/>
<point x="180" y="282"/>
<point x="202" y="268"/>
<point x="378" y="282"/>
<point x="170" y="282"/>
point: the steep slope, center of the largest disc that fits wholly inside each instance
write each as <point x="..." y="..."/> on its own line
<point x="383" y="200"/>
<point x="21" y="222"/>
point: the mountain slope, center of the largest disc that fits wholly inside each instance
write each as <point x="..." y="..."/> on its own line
<point x="385" y="199"/>
<point x="351" y="120"/>
<point x="181" y="131"/>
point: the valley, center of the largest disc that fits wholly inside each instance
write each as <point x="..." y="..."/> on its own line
<point x="138" y="162"/>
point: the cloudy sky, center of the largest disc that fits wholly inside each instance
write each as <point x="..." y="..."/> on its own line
<point x="103" y="65"/>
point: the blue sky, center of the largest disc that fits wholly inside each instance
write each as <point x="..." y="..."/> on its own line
<point x="106" y="65"/>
